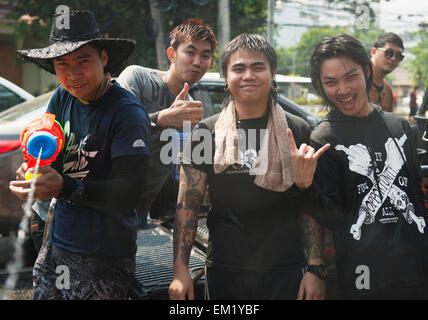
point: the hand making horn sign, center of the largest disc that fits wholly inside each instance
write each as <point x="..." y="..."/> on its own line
<point x="304" y="161"/>
<point x="181" y="110"/>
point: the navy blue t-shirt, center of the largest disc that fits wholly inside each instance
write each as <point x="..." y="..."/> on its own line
<point x="114" y="125"/>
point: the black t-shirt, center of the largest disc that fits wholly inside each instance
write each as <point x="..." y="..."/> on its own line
<point x="250" y="228"/>
<point x="374" y="204"/>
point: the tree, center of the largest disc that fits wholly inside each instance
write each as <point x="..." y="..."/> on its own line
<point x="419" y="64"/>
<point x="304" y="48"/>
<point x="128" y="19"/>
<point x="133" y="19"/>
<point x="159" y="26"/>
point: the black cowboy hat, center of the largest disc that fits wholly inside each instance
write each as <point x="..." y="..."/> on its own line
<point x="81" y="30"/>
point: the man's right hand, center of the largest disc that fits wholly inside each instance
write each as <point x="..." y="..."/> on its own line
<point x="181" y="110"/>
<point x="47" y="186"/>
<point x="20" y="173"/>
<point x="181" y="287"/>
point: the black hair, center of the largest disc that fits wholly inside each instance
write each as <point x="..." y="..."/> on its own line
<point x="388" y="37"/>
<point x="334" y="47"/>
<point x="195" y="29"/>
<point x="251" y="42"/>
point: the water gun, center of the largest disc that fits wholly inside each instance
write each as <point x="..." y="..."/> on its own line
<point x="43" y="136"/>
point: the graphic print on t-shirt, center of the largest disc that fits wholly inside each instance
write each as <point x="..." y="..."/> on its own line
<point x="246" y="162"/>
<point x="248" y="158"/>
<point x="383" y="186"/>
<point x="76" y="158"/>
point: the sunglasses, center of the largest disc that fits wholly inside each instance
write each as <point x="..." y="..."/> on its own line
<point x="389" y="53"/>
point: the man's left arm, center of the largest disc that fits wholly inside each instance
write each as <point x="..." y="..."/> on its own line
<point x="312" y="287"/>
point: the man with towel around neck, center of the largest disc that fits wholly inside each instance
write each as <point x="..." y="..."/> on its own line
<point x="250" y="160"/>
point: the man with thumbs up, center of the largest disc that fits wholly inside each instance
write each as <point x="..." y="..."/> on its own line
<point x="164" y="94"/>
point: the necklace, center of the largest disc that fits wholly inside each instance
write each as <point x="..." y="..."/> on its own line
<point x="378" y="88"/>
<point x="105" y="85"/>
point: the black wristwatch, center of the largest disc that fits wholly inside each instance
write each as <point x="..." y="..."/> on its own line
<point x="318" y="269"/>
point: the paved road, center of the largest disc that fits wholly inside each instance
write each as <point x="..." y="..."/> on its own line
<point x="24" y="287"/>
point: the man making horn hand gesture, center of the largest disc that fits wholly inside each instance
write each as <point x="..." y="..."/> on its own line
<point x="304" y="161"/>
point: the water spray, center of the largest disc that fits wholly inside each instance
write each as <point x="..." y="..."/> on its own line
<point x="41" y="142"/>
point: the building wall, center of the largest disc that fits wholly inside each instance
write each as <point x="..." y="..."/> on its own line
<point x="36" y="80"/>
<point x="25" y="75"/>
<point x="9" y="69"/>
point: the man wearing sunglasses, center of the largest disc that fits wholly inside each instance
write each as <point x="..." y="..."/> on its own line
<point x="386" y="55"/>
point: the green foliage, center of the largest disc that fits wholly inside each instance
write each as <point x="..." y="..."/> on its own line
<point x="368" y="37"/>
<point x="285" y="60"/>
<point x="248" y="16"/>
<point x="215" y="66"/>
<point x="132" y="19"/>
<point x="304" y="48"/>
<point x="419" y="65"/>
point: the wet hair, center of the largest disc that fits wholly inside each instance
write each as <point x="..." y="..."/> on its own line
<point x="194" y="29"/>
<point x="335" y="47"/>
<point x="250" y="42"/>
<point x="388" y="37"/>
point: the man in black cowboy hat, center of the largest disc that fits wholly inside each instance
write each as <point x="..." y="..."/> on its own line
<point x="99" y="175"/>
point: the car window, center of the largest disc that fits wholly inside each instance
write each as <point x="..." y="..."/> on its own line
<point x="207" y="102"/>
<point x="212" y="96"/>
<point x="8" y="98"/>
<point x="217" y="100"/>
<point x="25" y="108"/>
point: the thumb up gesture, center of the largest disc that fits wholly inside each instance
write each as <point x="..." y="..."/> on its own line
<point x="181" y="110"/>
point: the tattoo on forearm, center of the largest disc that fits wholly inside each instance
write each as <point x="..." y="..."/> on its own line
<point x="176" y="235"/>
<point x="181" y="191"/>
<point x="193" y="199"/>
<point x="313" y="237"/>
<point x="188" y="205"/>
<point x="193" y="176"/>
<point x="184" y="234"/>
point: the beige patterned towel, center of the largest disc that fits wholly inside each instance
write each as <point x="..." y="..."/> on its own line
<point x="273" y="167"/>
